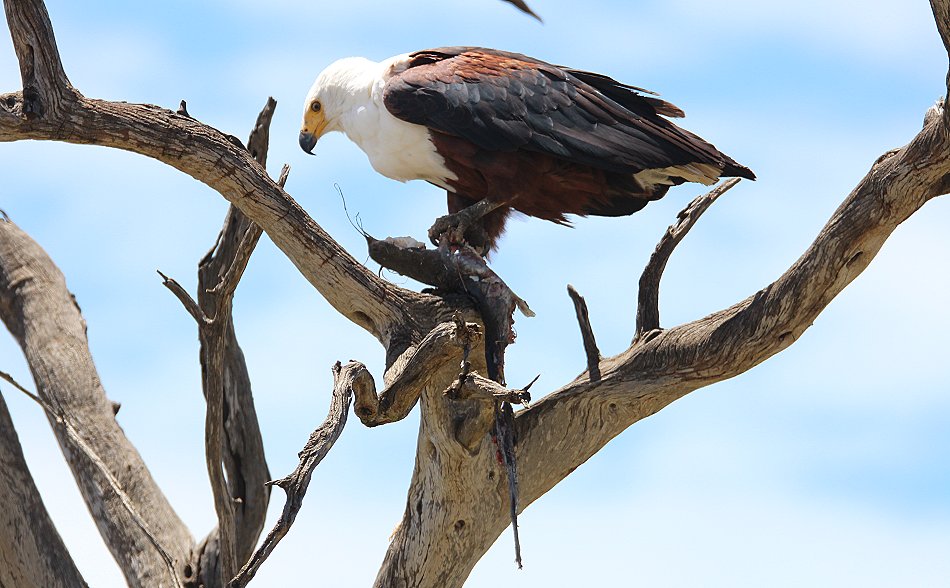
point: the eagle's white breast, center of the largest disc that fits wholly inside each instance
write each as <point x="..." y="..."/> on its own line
<point x="397" y="149"/>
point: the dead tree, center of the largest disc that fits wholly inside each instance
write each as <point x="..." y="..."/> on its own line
<point x="458" y="499"/>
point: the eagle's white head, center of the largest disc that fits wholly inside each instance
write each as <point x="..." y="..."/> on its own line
<point x="343" y="87"/>
<point x="348" y="97"/>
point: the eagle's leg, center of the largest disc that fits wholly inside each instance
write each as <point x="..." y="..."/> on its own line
<point x="464" y="223"/>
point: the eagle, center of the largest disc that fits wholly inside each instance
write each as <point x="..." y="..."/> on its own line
<point x="504" y="132"/>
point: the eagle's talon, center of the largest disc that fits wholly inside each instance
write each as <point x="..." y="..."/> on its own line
<point x="443" y="228"/>
<point x="459" y="228"/>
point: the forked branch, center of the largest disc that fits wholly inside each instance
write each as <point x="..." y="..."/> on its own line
<point x="232" y="434"/>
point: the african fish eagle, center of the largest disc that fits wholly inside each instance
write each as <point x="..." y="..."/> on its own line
<point x="515" y="132"/>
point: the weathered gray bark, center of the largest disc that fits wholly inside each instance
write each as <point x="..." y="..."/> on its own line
<point x="32" y="554"/>
<point x="458" y="497"/>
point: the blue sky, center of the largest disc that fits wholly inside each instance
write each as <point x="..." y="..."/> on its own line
<point x="827" y="465"/>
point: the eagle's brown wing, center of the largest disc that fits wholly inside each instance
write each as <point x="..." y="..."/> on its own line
<point x="505" y="101"/>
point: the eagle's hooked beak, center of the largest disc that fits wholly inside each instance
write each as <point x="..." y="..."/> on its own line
<point x="315" y="124"/>
<point x="307" y="141"/>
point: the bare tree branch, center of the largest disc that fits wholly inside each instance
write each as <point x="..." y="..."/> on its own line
<point x="219" y="161"/>
<point x="44" y="319"/>
<point x="473" y="385"/>
<point x="185" y="298"/>
<point x="587" y="334"/>
<point x="212" y="336"/>
<point x="296" y="483"/>
<point x="45" y="87"/>
<point x="242" y="448"/>
<point x="32" y="552"/>
<point x="648" y="304"/>
<point x="459" y="496"/>
<point x="523" y="7"/>
<point x="217" y="557"/>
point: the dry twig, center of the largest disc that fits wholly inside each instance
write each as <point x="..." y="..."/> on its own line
<point x="296" y="483"/>
<point x="648" y="311"/>
<point x="587" y="333"/>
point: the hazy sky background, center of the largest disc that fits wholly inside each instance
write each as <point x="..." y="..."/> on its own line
<point x="828" y="465"/>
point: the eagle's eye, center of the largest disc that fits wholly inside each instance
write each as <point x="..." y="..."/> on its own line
<point x="316" y="106"/>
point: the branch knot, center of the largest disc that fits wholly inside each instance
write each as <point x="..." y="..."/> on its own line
<point x="32" y="104"/>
